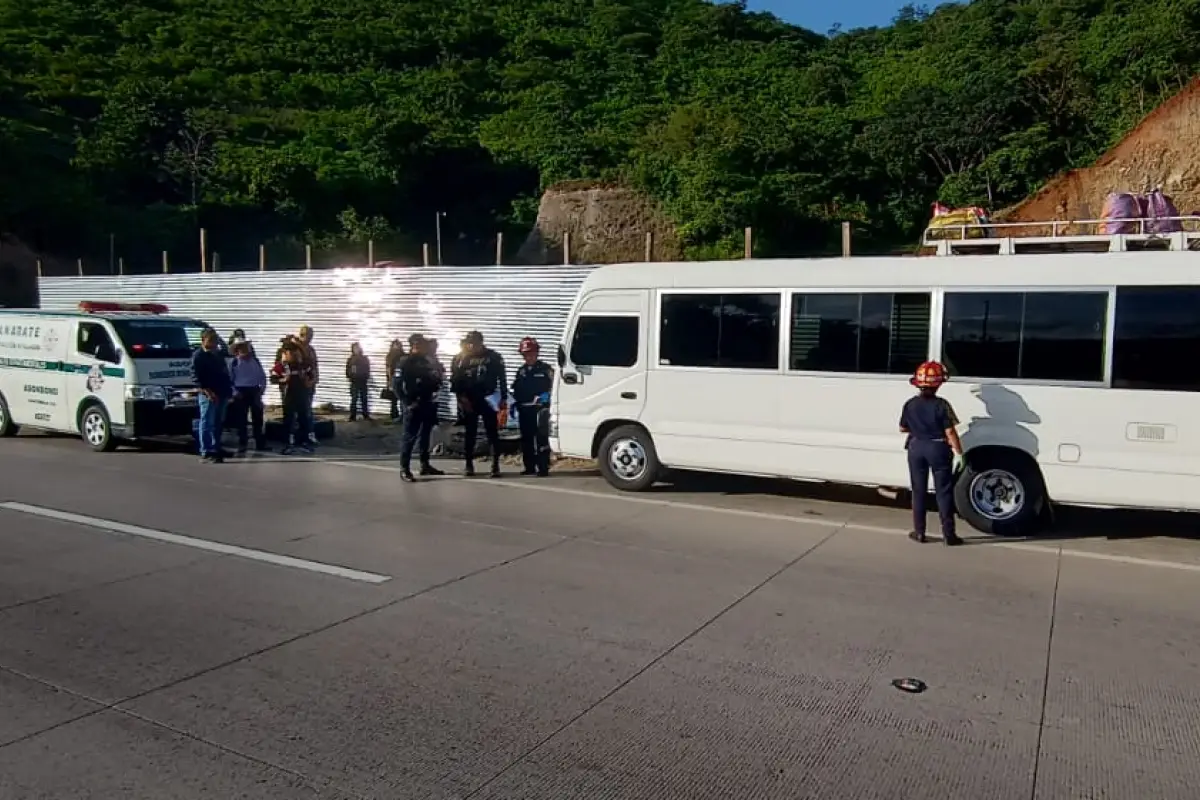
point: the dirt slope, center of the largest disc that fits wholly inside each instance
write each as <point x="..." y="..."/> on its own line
<point x="1162" y="151"/>
<point x="608" y="225"/>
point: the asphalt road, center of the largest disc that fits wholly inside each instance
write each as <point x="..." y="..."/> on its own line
<point x="292" y="629"/>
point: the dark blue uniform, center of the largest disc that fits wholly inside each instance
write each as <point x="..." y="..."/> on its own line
<point x="417" y="385"/>
<point x="476" y="377"/>
<point x="926" y="418"/>
<point x="531" y="393"/>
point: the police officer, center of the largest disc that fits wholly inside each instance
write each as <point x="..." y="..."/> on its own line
<point x="418" y="385"/>
<point x="477" y="374"/>
<point x="933" y="446"/>
<point x="531" y="398"/>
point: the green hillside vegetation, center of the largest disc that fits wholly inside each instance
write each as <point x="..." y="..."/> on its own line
<point x="341" y="120"/>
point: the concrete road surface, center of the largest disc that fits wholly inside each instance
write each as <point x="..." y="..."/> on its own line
<point x="292" y="629"/>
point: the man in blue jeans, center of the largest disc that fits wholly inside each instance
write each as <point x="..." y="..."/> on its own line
<point x="211" y="376"/>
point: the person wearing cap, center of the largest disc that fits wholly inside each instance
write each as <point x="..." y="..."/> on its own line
<point x="418" y="387"/>
<point x="239" y="335"/>
<point x="480" y="375"/>
<point x="249" y="384"/>
<point x="933" y="446"/>
<point x="531" y="399"/>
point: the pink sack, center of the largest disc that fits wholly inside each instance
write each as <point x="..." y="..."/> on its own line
<point x="1159" y="210"/>
<point x="1121" y="206"/>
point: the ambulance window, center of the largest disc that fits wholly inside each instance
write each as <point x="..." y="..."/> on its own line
<point x="158" y="338"/>
<point x="94" y="341"/>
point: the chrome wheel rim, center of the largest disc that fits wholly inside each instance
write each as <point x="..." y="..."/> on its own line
<point x="94" y="430"/>
<point x="997" y="494"/>
<point x="627" y="459"/>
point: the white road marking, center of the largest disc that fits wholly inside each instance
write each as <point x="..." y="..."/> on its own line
<point x="1047" y="549"/>
<point x="199" y="544"/>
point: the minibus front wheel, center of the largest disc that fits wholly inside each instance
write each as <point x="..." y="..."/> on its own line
<point x="628" y="460"/>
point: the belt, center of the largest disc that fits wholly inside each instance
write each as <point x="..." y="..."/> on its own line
<point x="939" y="441"/>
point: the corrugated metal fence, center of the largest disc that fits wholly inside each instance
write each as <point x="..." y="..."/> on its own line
<point x="369" y="306"/>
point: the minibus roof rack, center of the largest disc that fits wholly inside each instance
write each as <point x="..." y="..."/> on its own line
<point x="1063" y="236"/>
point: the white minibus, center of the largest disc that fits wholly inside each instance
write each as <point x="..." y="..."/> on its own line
<point x="1076" y="375"/>
<point x="111" y="372"/>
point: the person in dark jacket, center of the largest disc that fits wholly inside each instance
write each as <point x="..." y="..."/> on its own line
<point x="249" y="383"/>
<point x="531" y="399"/>
<point x="211" y="375"/>
<point x="358" y="373"/>
<point x="419" y="384"/>
<point x="933" y="446"/>
<point x="295" y="383"/>
<point x="391" y="370"/>
<point x="478" y="375"/>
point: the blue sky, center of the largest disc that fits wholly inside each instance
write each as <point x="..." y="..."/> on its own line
<point x="821" y="15"/>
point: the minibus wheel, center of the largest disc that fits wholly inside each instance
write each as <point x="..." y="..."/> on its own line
<point x="7" y="426"/>
<point x="96" y="429"/>
<point x="1001" y="493"/>
<point x="628" y="460"/>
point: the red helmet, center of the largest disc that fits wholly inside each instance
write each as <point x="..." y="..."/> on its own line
<point x="929" y="375"/>
<point x="529" y="345"/>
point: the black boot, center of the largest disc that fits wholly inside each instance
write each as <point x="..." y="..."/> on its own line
<point x="495" y="467"/>
<point x="919" y="538"/>
<point x="407" y="476"/>
<point x="951" y="539"/>
<point x="430" y="470"/>
<point x="469" y="469"/>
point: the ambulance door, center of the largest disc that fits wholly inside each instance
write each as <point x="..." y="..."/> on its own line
<point x="94" y="373"/>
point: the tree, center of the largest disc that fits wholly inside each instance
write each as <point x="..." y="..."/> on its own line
<point x="298" y="120"/>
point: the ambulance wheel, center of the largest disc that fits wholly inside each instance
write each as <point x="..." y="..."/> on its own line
<point x="628" y="460"/>
<point x="96" y="430"/>
<point x="7" y="426"/>
<point x="1001" y="493"/>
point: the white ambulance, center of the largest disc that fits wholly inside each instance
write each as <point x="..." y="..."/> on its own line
<point x="111" y="372"/>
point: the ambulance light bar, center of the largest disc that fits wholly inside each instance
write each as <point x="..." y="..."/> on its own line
<point x="98" y="307"/>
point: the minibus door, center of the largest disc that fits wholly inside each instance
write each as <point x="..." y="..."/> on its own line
<point x="602" y="376"/>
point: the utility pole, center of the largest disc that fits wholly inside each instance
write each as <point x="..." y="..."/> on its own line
<point x="438" y="223"/>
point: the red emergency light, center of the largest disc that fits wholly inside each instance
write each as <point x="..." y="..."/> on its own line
<point x="100" y="307"/>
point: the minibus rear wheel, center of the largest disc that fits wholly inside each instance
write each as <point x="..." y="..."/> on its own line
<point x="7" y="426"/>
<point x="628" y="460"/>
<point x="1000" y="492"/>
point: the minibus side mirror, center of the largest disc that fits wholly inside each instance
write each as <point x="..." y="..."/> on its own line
<point x="562" y="357"/>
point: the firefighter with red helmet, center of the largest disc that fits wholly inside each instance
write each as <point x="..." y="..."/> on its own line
<point x="933" y="447"/>
<point x="531" y="400"/>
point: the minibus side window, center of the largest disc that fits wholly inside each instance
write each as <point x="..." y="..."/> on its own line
<point x="605" y="341"/>
<point x="1050" y="336"/>
<point x="871" y="333"/>
<point x="724" y="331"/>
<point x="93" y="340"/>
<point x="1156" y="338"/>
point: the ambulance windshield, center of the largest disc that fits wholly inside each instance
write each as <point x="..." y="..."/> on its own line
<point x="158" y="338"/>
